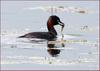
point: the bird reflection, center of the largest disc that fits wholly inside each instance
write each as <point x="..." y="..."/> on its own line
<point x="52" y="48"/>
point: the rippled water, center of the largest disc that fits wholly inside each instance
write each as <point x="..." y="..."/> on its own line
<point x="78" y="50"/>
<point x="72" y="51"/>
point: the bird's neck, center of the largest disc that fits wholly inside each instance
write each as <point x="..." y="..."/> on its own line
<point x="51" y="29"/>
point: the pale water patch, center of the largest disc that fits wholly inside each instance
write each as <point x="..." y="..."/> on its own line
<point x="78" y="50"/>
<point x="43" y="60"/>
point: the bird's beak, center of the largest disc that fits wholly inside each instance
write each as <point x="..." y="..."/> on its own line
<point x="61" y="24"/>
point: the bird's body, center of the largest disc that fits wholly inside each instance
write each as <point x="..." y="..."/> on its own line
<point x="40" y="35"/>
<point x="51" y="34"/>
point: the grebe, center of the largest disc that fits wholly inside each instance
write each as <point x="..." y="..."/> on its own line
<point x="51" y="34"/>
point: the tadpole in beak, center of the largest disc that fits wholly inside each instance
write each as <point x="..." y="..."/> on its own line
<point x="61" y="24"/>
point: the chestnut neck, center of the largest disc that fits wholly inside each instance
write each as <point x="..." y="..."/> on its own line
<point x="51" y="28"/>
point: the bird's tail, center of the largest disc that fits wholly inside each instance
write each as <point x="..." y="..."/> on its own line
<point x="21" y="36"/>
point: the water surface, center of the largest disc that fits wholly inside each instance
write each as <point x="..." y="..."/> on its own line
<point x="79" y="49"/>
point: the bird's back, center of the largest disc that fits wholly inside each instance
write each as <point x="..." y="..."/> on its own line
<point x="41" y="35"/>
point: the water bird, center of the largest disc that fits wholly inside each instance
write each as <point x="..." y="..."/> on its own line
<point x="51" y="34"/>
